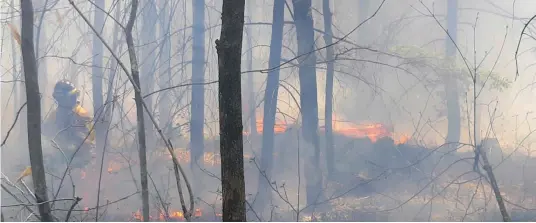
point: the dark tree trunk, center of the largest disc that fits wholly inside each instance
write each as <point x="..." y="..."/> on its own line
<point x="270" y="104"/>
<point x="139" y="111"/>
<point x="197" y="113"/>
<point x="308" y="97"/>
<point x="97" y="77"/>
<point x="328" y="39"/>
<point x="33" y="100"/>
<point x="451" y="86"/>
<point x="148" y="67"/>
<point x="229" y="49"/>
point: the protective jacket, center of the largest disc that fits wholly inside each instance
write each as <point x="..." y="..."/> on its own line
<point x="70" y="125"/>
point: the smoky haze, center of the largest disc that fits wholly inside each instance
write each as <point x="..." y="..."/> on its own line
<point x="405" y="115"/>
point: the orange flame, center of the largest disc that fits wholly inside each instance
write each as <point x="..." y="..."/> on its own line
<point x="113" y="166"/>
<point x="373" y="131"/>
<point x="279" y="126"/>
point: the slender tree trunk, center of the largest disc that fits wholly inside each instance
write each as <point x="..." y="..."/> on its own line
<point x="451" y="87"/>
<point x="97" y="77"/>
<point x="251" y="79"/>
<point x="270" y="104"/>
<point x="148" y="67"/>
<point x="197" y="112"/>
<point x="328" y="39"/>
<point x="308" y="97"/>
<point x="34" y="110"/>
<point x="139" y="111"/>
<point x="164" y="104"/>
<point x="494" y="185"/>
<point x="229" y="49"/>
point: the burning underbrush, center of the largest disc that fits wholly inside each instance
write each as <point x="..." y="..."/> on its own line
<point x="377" y="177"/>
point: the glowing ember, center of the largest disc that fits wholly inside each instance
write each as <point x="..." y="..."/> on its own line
<point x="198" y="212"/>
<point x="113" y="166"/>
<point x="177" y="214"/>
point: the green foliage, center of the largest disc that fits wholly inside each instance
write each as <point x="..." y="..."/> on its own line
<point x="420" y="57"/>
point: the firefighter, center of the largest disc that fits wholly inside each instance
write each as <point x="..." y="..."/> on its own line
<point x="69" y="125"/>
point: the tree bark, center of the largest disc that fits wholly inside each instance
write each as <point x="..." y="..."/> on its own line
<point x="270" y="105"/>
<point x="494" y="185"/>
<point x="197" y="112"/>
<point x="139" y="111"/>
<point x="229" y="49"/>
<point x="451" y="87"/>
<point x="34" y="110"/>
<point x="328" y="39"/>
<point x="308" y="97"/>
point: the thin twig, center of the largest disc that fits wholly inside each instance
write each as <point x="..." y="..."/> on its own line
<point x="13" y="125"/>
<point x="77" y="199"/>
<point x="519" y="43"/>
<point x="176" y="163"/>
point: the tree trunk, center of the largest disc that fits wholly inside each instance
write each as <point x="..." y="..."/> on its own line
<point x="270" y="104"/>
<point x="252" y="105"/>
<point x="229" y="49"/>
<point x="451" y="87"/>
<point x="148" y="67"/>
<point x="97" y="77"/>
<point x="308" y="97"/>
<point x="328" y="39"/>
<point x="197" y="112"/>
<point x="34" y="110"/>
<point x="164" y="104"/>
<point x="139" y="111"/>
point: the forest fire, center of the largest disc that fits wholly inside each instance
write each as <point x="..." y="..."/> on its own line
<point x="172" y="216"/>
<point x="373" y="131"/>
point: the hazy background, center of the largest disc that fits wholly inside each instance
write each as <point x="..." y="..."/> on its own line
<point x="364" y="91"/>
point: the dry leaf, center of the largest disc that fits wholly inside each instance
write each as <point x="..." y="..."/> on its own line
<point x="25" y="173"/>
<point x="15" y="33"/>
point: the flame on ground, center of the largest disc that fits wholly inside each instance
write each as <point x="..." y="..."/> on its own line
<point x="373" y="131"/>
<point x="279" y="127"/>
<point x="173" y="215"/>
